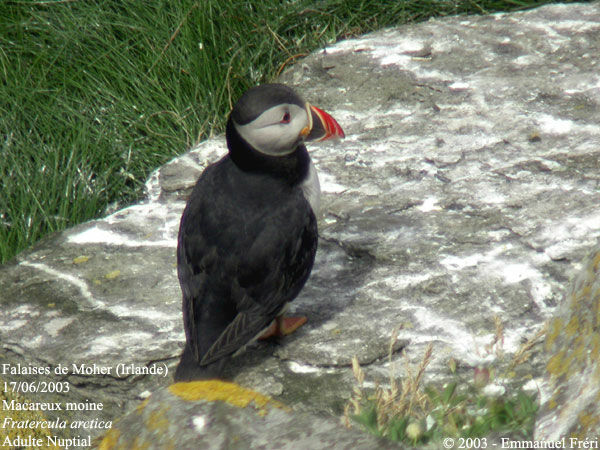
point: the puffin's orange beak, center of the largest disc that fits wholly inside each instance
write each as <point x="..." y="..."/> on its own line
<point x="321" y="126"/>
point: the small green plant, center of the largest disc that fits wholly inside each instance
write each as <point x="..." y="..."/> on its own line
<point x="474" y="414"/>
<point x="410" y="413"/>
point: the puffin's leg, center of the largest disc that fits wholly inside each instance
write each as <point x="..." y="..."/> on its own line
<point x="282" y="326"/>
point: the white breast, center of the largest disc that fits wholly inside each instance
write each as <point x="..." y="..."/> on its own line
<point x="312" y="190"/>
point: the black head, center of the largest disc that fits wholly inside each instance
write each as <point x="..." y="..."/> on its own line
<point x="269" y="124"/>
<point x="271" y="118"/>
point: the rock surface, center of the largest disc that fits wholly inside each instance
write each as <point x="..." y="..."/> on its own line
<point x="217" y="415"/>
<point x="467" y="188"/>
<point x="572" y="391"/>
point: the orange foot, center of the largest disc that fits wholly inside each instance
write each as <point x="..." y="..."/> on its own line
<point x="282" y="326"/>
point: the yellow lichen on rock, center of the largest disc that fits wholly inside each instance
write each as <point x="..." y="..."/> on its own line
<point x="556" y="326"/>
<point x="597" y="304"/>
<point x="596" y="262"/>
<point x="572" y="326"/>
<point x="587" y="420"/>
<point x="585" y="292"/>
<point x="139" y="444"/>
<point x="157" y="420"/>
<point x="555" y="364"/>
<point x="109" y="441"/>
<point x="573" y="365"/>
<point x="595" y="346"/>
<point x="112" y="275"/>
<point x="216" y="390"/>
<point x="140" y="408"/>
<point x="81" y="259"/>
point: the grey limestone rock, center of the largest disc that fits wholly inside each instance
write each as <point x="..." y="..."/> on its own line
<point x="571" y="400"/>
<point x="216" y="415"/>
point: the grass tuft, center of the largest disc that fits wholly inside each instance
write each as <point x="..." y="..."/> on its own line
<point x="408" y="412"/>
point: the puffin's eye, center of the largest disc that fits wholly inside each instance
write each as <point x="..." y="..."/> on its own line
<point x="286" y="118"/>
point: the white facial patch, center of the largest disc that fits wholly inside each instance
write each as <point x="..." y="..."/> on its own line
<point x="276" y="131"/>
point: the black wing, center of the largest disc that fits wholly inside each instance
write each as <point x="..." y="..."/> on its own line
<point x="240" y="260"/>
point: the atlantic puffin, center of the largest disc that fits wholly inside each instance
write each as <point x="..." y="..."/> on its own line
<point x="248" y="234"/>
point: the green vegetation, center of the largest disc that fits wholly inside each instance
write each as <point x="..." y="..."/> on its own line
<point x="408" y="413"/>
<point x="448" y="413"/>
<point x="94" y="94"/>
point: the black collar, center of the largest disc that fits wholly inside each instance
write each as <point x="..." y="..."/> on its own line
<point x="292" y="168"/>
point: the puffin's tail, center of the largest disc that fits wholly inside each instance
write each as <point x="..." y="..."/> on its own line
<point x="190" y="370"/>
